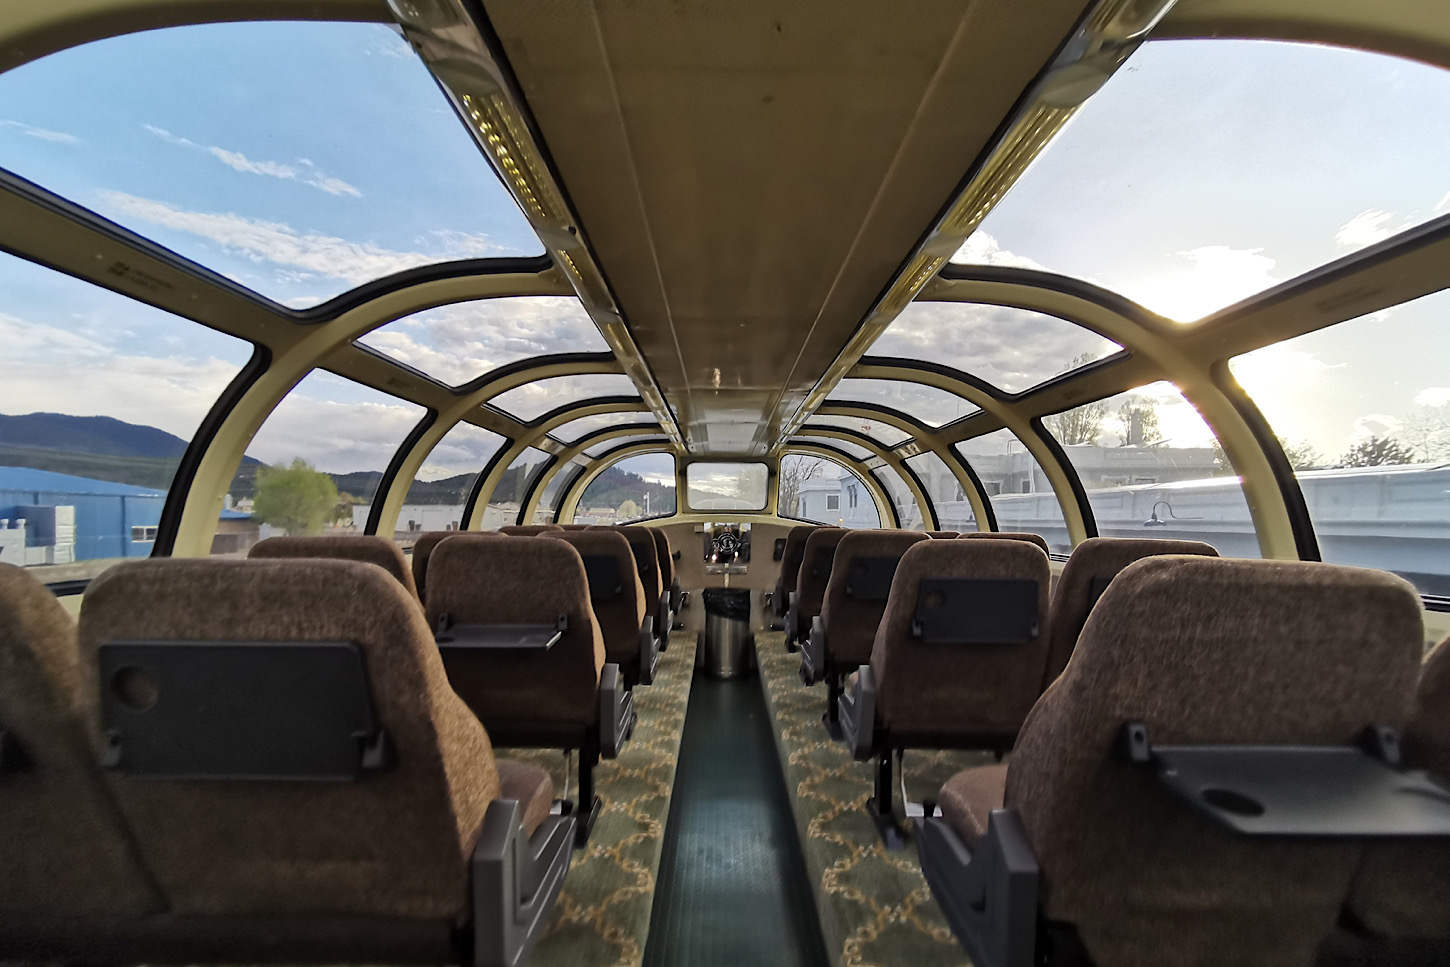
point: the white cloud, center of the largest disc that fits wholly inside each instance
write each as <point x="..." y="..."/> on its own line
<point x="43" y="134"/>
<point x="1369" y="227"/>
<point x="983" y="249"/>
<point x="1376" y="424"/>
<point x="333" y="436"/>
<point x="1443" y="203"/>
<point x="304" y="171"/>
<point x="1433" y="396"/>
<point x="283" y="245"/>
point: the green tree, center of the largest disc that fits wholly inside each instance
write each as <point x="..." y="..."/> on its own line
<point x="1427" y="432"/>
<point x="1137" y="420"/>
<point x="627" y="510"/>
<point x="297" y="499"/>
<point x="1081" y="424"/>
<point x="1377" y="451"/>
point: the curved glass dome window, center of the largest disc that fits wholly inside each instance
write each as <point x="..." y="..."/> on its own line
<point x="441" y="486"/>
<point x="926" y="404"/>
<point x="549" y="500"/>
<point x="635" y="488"/>
<point x="820" y="490"/>
<point x="513" y="486"/>
<point x="1022" y="497"/>
<point x="458" y="343"/>
<point x="604" y="446"/>
<point x="855" y="450"/>
<point x="948" y="498"/>
<point x="907" y="510"/>
<point x="1012" y="349"/>
<point x="532" y="400"/>
<point x="576" y="430"/>
<point x="1206" y="171"/>
<point x="1152" y="468"/>
<point x="252" y="149"/>
<point x="1363" y="411"/>
<point x="879" y="430"/>
<point x="339" y="427"/>
<point x="100" y="395"/>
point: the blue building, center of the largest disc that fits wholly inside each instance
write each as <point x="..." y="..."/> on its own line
<point x="108" y="520"/>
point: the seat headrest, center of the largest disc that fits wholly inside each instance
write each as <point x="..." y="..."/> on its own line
<point x="368" y="548"/>
<point x="1036" y="539"/>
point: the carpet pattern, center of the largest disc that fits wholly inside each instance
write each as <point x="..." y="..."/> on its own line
<point x="876" y="909"/>
<point x="602" y="915"/>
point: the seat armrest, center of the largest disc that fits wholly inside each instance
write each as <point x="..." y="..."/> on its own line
<point x="666" y="619"/>
<point x="649" y="651"/>
<point x="857" y="709"/>
<point x="516" y="879"/>
<point x="677" y="597"/>
<point x="792" y="617"/>
<point x="813" y="653"/>
<point x="989" y="895"/>
<point x="616" y="712"/>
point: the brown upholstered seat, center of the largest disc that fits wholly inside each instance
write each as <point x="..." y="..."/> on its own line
<point x="817" y="558"/>
<point x="423" y="548"/>
<point x="1010" y="536"/>
<point x="529" y="530"/>
<point x="942" y="535"/>
<point x="269" y="867"/>
<point x="1093" y="563"/>
<point x="368" y="548"/>
<point x="1403" y="890"/>
<point x="66" y="855"/>
<point x="957" y="696"/>
<point x="790" y="566"/>
<point x="669" y="582"/>
<point x="530" y="786"/>
<point x="1205" y="651"/>
<point x="575" y="527"/>
<point x="620" y="609"/>
<point x="546" y="698"/>
<point x="647" y="565"/>
<point x="969" y="797"/>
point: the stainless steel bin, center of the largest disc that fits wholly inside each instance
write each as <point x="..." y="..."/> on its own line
<point x="727" y="632"/>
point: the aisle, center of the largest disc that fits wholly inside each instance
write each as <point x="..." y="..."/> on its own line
<point x="732" y="887"/>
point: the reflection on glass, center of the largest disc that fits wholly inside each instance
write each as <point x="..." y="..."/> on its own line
<point x="339" y="432"/>
<point x="855" y="450"/>
<point x="726" y="486"/>
<point x="907" y="510"/>
<point x="532" y="400"/>
<point x="635" y="488"/>
<point x="1206" y="171"/>
<point x="578" y="429"/>
<point x="926" y="404"/>
<point x="1363" y="411"/>
<point x="1021" y="495"/>
<point x="508" y="496"/>
<point x="231" y="145"/>
<point x="458" y="343"/>
<point x="1013" y="349"/>
<point x="953" y="510"/>
<point x="549" y="500"/>
<point x="439" y="491"/>
<point x="1152" y="468"/>
<point x="879" y="430"/>
<point x="99" y="398"/>
<point x="604" y="446"/>
<point x="822" y="491"/>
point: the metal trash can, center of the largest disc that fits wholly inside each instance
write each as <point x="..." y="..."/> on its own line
<point x="727" y="632"/>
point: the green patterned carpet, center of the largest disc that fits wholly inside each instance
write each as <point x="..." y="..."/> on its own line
<point x="875" y="907"/>
<point x="602" y="915"/>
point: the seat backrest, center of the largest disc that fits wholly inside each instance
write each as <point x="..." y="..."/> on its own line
<point x="65" y="851"/>
<point x="529" y="530"/>
<point x="614" y="589"/>
<point x="1010" y="536"/>
<point x="368" y="548"/>
<point x="790" y="561"/>
<point x="1205" y="651"/>
<point x="860" y="584"/>
<point x="817" y="559"/>
<point x="665" y="557"/>
<point x="972" y="682"/>
<point x="942" y="535"/>
<point x="575" y="527"/>
<point x="646" y="558"/>
<point x="1403" y="889"/>
<point x="1085" y="576"/>
<point x="423" y="548"/>
<point x="393" y="843"/>
<point x="498" y="581"/>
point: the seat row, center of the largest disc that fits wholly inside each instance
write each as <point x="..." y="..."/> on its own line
<point x="1243" y="762"/>
<point x="543" y="632"/>
<point x="256" y="761"/>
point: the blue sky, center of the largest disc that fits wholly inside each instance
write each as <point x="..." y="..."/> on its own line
<point x="304" y="159"/>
